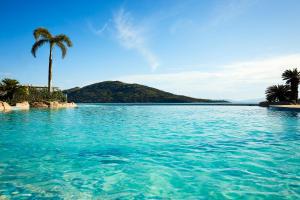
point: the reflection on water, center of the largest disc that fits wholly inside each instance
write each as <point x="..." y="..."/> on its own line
<point x="284" y="112"/>
<point x="286" y="119"/>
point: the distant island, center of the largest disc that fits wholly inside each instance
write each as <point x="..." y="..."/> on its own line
<point x="119" y="92"/>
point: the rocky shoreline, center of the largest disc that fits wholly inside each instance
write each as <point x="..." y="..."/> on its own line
<point x="5" y="107"/>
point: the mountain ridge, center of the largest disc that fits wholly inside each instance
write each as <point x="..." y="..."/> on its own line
<point x="120" y="92"/>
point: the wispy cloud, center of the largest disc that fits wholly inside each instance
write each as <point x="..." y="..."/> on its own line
<point x="98" y="31"/>
<point x="239" y="80"/>
<point x="131" y="36"/>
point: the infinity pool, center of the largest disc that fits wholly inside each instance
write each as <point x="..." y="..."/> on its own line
<point x="150" y="152"/>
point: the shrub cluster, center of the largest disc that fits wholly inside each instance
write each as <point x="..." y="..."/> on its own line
<point x="285" y="93"/>
<point x="12" y="92"/>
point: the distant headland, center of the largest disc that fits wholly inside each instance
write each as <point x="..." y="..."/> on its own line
<point x="119" y="92"/>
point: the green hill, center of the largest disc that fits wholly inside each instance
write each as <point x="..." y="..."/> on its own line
<point x="119" y="92"/>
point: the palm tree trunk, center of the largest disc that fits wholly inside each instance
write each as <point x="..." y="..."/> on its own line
<point x="50" y="72"/>
<point x="296" y="93"/>
<point x="294" y="90"/>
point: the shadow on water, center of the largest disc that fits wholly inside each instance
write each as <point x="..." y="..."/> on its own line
<point x="286" y="119"/>
<point x="283" y="113"/>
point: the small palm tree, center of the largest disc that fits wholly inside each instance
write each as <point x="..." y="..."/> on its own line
<point x="277" y="93"/>
<point x="9" y="88"/>
<point x="292" y="77"/>
<point x="43" y="36"/>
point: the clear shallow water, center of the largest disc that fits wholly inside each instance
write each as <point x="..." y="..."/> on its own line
<point x="150" y="152"/>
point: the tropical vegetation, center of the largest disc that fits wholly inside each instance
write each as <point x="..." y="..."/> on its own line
<point x="12" y="92"/>
<point x="277" y="93"/>
<point x="292" y="78"/>
<point x="8" y="88"/>
<point x="43" y="36"/>
<point x="285" y="93"/>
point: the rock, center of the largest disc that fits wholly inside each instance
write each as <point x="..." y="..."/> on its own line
<point x="4" y="106"/>
<point x="39" y="105"/>
<point x="23" y="106"/>
<point x="55" y="105"/>
<point x="70" y="105"/>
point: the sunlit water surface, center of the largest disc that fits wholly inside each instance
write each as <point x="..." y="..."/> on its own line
<point x="150" y="152"/>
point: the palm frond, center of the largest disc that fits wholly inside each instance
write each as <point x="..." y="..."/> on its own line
<point x="10" y="82"/>
<point x="277" y="93"/>
<point x="62" y="47"/>
<point x="290" y="75"/>
<point x="41" y="32"/>
<point x="64" y="39"/>
<point x="38" y="44"/>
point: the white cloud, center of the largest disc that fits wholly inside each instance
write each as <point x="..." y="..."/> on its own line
<point x="239" y="80"/>
<point x="131" y="37"/>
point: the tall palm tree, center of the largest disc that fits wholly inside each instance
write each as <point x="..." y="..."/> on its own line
<point x="292" y="77"/>
<point x="43" y="36"/>
<point x="277" y="93"/>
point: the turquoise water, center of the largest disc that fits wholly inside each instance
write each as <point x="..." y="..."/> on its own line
<point x="150" y="152"/>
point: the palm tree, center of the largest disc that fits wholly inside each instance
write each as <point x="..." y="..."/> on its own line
<point x="292" y="77"/>
<point x="277" y="93"/>
<point x="9" y="88"/>
<point x="43" y="36"/>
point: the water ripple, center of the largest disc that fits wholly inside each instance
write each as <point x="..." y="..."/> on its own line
<point x="150" y="152"/>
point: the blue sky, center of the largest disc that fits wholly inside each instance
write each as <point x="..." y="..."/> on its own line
<point x="220" y="49"/>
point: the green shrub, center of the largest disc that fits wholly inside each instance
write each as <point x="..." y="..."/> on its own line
<point x="12" y="92"/>
<point x="36" y="95"/>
